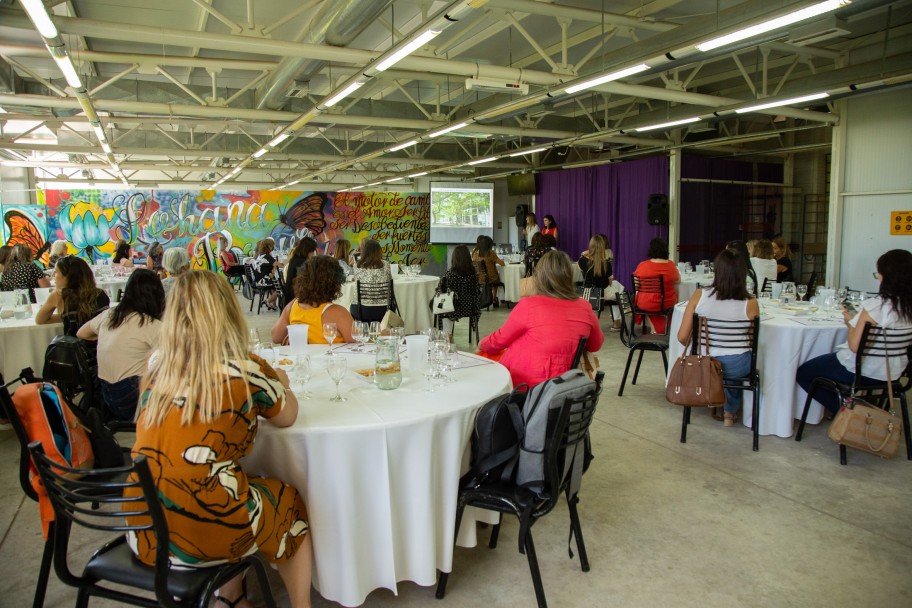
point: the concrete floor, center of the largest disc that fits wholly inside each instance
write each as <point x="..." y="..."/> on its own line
<point x="703" y="524"/>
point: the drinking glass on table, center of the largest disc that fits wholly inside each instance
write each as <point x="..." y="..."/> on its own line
<point x="330" y="331"/>
<point x="336" y="367"/>
<point x="253" y="340"/>
<point x="764" y="299"/>
<point x="360" y="334"/>
<point x="374" y="331"/>
<point x="399" y="332"/>
<point x="436" y="362"/>
<point x="300" y="376"/>
<point x="802" y="291"/>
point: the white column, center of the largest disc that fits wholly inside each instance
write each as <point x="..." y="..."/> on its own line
<point x="674" y="203"/>
<point x="837" y="204"/>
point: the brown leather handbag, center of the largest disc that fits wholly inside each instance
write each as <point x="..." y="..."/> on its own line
<point x="696" y="379"/>
<point x="868" y="428"/>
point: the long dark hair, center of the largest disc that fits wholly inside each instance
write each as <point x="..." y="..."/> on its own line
<point x="80" y="296"/>
<point x="122" y="251"/>
<point x="731" y="274"/>
<point x="304" y="248"/>
<point x="741" y="249"/>
<point x="462" y="261"/>
<point x="485" y="245"/>
<point x="895" y="266"/>
<point x="550" y="218"/>
<point x="143" y="295"/>
<point x="371" y="255"/>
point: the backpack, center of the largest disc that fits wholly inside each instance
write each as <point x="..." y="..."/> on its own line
<point x="47" y="418"/>
<point x="70" y="364"/>
<point x="495" y="437"/>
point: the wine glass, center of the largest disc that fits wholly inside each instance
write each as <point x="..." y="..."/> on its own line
<point x="359" y="333"/>
<point x="399" y="332"/>
<point x="301" y="376"/>
<point x="764" y="299"/>
<point x="802" y="290"/>
<point x="374" y="331"/>
<point x="253" y="339"/>
<point x="436" y="361"/>
<point x="336" y="367"/>
<point x="330" y="331"/>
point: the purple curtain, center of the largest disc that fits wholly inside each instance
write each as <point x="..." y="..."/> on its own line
<point x="610" y="199"/>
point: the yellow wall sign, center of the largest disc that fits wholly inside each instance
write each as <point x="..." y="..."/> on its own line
<point x="901" y="222"/>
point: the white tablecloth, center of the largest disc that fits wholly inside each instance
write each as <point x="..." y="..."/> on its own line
<point x="785" y="343"/>
<point x="379" y="472"/>
<point x="510" y="274"/>
<point x="23" y="343"/>
<point x="689" y="283"/>
<point x="412" y="295"/>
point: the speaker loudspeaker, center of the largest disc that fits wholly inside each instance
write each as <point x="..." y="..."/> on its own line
<point x="657" y="209"/>
<point x="521" y="212"/>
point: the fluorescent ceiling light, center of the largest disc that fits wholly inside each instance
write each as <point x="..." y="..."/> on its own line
<point x="342" y="94"/>
<point x="784" y="102"/>
<point x="69" y="71"/>
<point x="40" y="17"/>
<point x="106" y="147"/>
<point x="99" y="133"/>
<point x="664" y="125"/>
<point x="395" y="179"/>
<point x="448" y="129"/>
<point x="260" y="152"/>
<point x="483" y="160"/>
<point x="418" y="174"/>
<point x="607" y="78"/>
<point x="35" y="141"/>
<point x="374" y="184"/>
<point x="772" y="24"/>
<point x="408" y="49"/>
<point x="116" y="167"/>
<point x="524" y="152"/>
<point x="405" y="145"/>
<point x="278" y="139"/>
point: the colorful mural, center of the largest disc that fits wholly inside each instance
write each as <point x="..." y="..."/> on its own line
<point x="93" y="220"/>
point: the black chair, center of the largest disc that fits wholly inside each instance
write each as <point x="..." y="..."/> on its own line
<point x="637" y="343"/>
<point x="114" y="563"/>
<point x="593" y="295"/>
<point x="651" y="285"/>
<point x="374" y="292"/>
<point x="568" y="428"/>
<point x="8" y="410"/>
<point x="578" y="355"/>
<point x="731" y="334"/>
<point x="767" y="286"/>
<point x="473" y="318"/>
<point x="251" y="287"/>
<point x="812" y="285"/>
<point x="898" y="342"/>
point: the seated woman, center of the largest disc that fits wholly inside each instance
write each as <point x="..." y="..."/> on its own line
<point x="127" y="334"/>
<point x="892" y="308"/>
<point x="264" y="271"/>
<point x="176" y="261"/>
<point x="726" y="299"/>
<point x="5" y="252"/>
<point x="58" y="250"/>
<point x="783" y="256"/>
<point x="462" y="281"/>
<point x="201" y="402"/>
<point x="763" y="263"/>
<point x="123" y="255"/>
<point x="741" y="249"/>
<point x="341" y="254"/>
<point x="304" y="249"/>
<point x="597" y="272"/>
<point x="542" y="332"/>
<point x="19" y="272"/>
<point x="231" y="266"/>
<point x="318" y="283"/>
<point x="372" y="270"/>
<point x="486" y="262"/>
<point x="658" y="265"/>
<point x="75" y="299"/>
<point x="154" y="258"/>
<point x="534" y="252"/>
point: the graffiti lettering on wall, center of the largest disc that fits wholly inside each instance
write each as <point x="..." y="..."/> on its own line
<point x="92" y="221"/>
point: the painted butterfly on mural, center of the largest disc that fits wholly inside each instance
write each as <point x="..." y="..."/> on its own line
<point x="22" y="231"/>
<point x="306" y="214"/>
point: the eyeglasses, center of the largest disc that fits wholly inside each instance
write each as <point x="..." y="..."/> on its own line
<point x="878" y="276"/>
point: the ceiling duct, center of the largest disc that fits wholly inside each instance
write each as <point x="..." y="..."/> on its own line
<point x="337" y="24"/>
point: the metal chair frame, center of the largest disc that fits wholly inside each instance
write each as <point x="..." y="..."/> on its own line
<point x="635" y="343"/>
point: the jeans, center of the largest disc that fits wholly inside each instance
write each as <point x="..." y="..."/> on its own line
<point x="734" y="366"/>
<point x="121" y="397"/>
<point x="827" y="366"/>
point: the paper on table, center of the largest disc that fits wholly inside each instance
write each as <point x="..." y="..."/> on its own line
<point x="467" y="361"/>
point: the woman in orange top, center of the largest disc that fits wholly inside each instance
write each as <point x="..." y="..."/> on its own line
<point x="318" y="283"/>
<point x="658" y="264"/>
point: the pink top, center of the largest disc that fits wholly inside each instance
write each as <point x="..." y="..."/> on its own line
<point x="541" y="335"/>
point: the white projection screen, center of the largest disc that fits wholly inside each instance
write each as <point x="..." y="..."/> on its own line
<point x="461" y="211"/>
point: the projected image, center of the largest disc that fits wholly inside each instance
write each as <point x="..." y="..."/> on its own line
<point x="461" y="209"/>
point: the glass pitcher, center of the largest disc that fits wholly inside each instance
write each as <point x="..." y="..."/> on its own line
<point x="387" y="367"/>
<point x="22" y="306"/>
<point x="788" y="294"/>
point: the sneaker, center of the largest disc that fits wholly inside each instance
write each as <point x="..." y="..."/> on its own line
<point x="729" y="420"/>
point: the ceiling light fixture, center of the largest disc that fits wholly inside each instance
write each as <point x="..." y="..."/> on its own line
<point x="405" y="145"/>
<point x="784" y="102"/>
<point x="278" y="139"/>
<point x="99" y="133"/>
<point x="343" y="94"/>
<point x="406" y="50"/>
<point x="483" y="160"/>
<point x="395" y="179"/>
<point x="69" y="71"/>
<point x="607" y="78"/>
<point x="413" y="175"/>
<point x="772" y="24"/>
<point x="37" y="12"/>
<point x="106" y="147"/>
<point x="524" y="152"/>
<point x="260" y="152"/>
<point x="448" y="129"/>
<point x="665" y="125"/>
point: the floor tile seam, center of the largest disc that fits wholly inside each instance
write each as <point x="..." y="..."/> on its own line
<point x="760" y="486"/>
<point x="12" y="523"/>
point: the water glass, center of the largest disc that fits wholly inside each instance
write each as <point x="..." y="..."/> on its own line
<point x="764" y="299"/>
<point x="360" y="334"/>
<point x="374" y="331"/>
<point x="300" y="376"/>
<point x="802" y="291"/>
<point x="336" y="367"/>
<point x="253" y="339"/>
<point x="330" y="331"/>
<point x="399" y="332"/>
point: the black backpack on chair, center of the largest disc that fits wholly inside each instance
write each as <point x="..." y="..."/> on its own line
<point x="70" y="364"/>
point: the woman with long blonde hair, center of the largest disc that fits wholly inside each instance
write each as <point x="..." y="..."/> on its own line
<point x="199" y="408"/>
<point x="541" y="334"/>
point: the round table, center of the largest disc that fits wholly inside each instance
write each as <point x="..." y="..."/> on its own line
<point x="786" y="342"/>
<point x="413" y="295"/>
<point x="510" y="274"/>
<point x="690" y="281"/>
<point x="23" y="344"/>
<point x="379" y="472"/>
